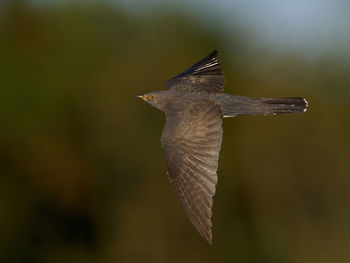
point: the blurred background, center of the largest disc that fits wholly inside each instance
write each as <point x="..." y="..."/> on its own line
<point x="82" y="174"/>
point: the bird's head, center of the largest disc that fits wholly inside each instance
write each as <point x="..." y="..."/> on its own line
<point x="157" y="99"/>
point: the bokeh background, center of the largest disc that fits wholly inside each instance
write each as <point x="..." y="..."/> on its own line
<point x="82" y="175"/>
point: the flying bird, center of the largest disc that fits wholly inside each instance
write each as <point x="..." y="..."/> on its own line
<point x="194" y="105"/>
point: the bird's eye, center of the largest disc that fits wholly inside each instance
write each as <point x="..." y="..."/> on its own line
<point x="151" y="97"/>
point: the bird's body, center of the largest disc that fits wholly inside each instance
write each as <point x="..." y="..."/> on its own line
<point x="194" y="106"/>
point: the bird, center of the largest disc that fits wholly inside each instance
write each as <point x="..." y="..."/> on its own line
<point x="194" y="105"/>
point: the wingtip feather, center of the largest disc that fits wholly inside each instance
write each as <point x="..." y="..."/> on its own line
<point x="214" y="53"/>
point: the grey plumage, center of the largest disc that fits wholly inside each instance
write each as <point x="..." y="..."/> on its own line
<point x="191" y="139"/>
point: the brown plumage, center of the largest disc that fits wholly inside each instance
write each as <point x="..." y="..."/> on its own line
<point x="191" y="139"/>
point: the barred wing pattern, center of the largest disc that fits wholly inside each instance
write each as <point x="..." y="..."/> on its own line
<point x="191" y="142"/>
<point x="203" y="77"/>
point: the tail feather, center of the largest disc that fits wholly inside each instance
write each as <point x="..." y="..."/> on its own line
<point x="238" y="106"/>
<point x="285" y="105"/>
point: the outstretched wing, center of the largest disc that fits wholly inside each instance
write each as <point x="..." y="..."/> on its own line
<point x="191" y="142"/>
<point x="203" y="77"/>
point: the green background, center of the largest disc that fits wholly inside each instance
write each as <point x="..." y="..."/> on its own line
<point x="82" y="174"/>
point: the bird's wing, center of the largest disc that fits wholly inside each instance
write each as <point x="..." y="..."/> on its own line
<point x="191" y="142"/>
<point x="203" y="77"/>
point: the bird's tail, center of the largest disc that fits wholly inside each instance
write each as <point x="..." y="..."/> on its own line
<point x="239" y="106"/>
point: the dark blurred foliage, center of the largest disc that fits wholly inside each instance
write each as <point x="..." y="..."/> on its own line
<point x="82" y="175"/>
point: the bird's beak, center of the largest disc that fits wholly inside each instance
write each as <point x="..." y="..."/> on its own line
<point x="141" y="97"/>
